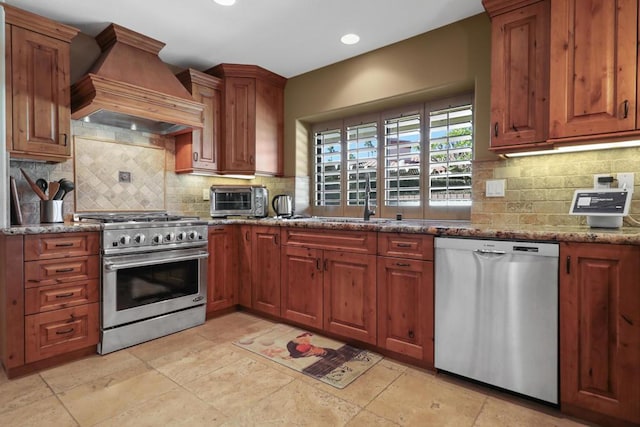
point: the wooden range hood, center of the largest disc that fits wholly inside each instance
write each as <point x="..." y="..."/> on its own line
<point x="130" y="87"/>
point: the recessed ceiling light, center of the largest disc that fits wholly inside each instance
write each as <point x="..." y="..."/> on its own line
<point x="225" y="2"/>
<point x="350" y="38"/>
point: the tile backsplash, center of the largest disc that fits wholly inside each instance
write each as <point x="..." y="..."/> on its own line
<point x="539" y="189"/>
<point x="100" y="152"/>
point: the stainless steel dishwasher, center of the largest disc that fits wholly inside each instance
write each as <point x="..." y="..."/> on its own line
<point x="496" y="313"/>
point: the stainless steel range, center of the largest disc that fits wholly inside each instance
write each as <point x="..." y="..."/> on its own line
<point x="154" y="276"/>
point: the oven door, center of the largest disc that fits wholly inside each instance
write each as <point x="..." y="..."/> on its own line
<point x="144" y="285"/>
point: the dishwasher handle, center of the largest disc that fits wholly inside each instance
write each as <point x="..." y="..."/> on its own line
<point x="489" y="252"/>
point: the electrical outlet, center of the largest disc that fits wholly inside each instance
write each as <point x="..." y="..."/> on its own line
<point x="205" y="194"/>
<point x="625" y="180"/>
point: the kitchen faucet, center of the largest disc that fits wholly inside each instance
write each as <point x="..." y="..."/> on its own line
<point x="367" y="194"/>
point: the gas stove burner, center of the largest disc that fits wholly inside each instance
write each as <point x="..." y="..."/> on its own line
<point x="112" y="217"/>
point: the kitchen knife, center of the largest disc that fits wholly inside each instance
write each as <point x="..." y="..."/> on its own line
<point x="34" y="186"/>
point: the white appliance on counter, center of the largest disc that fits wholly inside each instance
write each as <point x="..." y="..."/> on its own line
<point x="604" y="207"/>
<point x="496" y="313"/>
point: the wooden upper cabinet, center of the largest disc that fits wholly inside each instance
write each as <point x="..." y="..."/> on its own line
<point x="253" y="124"/>
<point x="600" y="332"/>
<point x="520" y="76"/>
<point x="38" y="81"/>
<point x="197" y="151"/>
<point x="593" y="67"/>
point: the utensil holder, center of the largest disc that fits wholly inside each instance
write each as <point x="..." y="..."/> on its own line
<point x="51" y="211"/>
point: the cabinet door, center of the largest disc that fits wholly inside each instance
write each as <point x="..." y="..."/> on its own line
<point x="600" y="330"/>
<point x="198" y="150"/>
<point x="301" y="285"/>
<point x="593" y="64"/>
<point x="350" y="295"/>
<point x="223" y="267"/>
<point x="269" y="128"/>
<point x="245" y="260"/>
<point x="41" y="97"/>
<point x="239" y="148"/>
<point x="405" y="307"/>
<point x="520" y="76"/>
<point x="265" y="270"/>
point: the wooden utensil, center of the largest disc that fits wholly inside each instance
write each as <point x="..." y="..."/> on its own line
<point x="54" y="186"/>
<point x="34" y="186"/>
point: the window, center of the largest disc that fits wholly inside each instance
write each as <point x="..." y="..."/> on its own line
<point x="450" y="155"/>
<point x="362" y="162"/>
<point x="328" y="168"/>
<point x="418" y="157"/>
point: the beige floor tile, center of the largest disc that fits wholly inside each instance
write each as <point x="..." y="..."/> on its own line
<point x="82" y="371"/>
<point x="187" y="366"/>
<point x="416" y="398"/>
<point x="367" y="419"/>
<point x="165" y="345"/>
<point x="175" y="408"/>
<point x="21" y="392"/>
<point x="239" y="385"/>
<point x="366" y="387"/>
<point x="501" y="413"/>
<point x="107" y="397"/>
<point x="297" y="404"/>
<point x="46" y="412"/>
<point x="232" y="326"/>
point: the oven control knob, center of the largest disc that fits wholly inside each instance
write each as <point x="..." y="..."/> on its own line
<point x="125" y="240"/>
<point x="193" y="235"/>
<point x="139" y="238"/>
<point x="181" y="236"/>
<point x="169" y="237"/>
<point x="157" y="238"/>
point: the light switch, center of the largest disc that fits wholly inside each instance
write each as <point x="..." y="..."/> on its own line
<point x="495" y="187"/>
<point x="205" y="194"/>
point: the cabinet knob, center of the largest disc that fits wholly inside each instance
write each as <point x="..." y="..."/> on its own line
<point x="411" y="334"/>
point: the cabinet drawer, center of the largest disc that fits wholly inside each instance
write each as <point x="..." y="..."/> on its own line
<point x="403" y="245"/>
<point x="60" y="245"/>
<point x="60" y="331"/>
<point x="65" y="270"/>
<point x="47" y="298"/>
<point x="345" y="241"/>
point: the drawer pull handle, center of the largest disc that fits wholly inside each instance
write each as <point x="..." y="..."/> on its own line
<point x="626" y="108"/>
<point x="404" y="245"/>
<point x="63" y="245"/>
<point x="64" y="270"/>
<point x="66" y="331"/>
<point x="403" y="264"/>
<point x="67" y="295"/>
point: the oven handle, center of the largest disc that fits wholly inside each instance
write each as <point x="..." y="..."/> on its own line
<point x="116" y="266"/>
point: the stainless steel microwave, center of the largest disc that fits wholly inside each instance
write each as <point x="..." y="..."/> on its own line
<point x="239" y="200"/>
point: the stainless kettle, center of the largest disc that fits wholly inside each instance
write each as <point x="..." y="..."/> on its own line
<point x="282" y="205"/>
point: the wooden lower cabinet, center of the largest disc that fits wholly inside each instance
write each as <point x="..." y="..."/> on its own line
<point x="222" y="268"/>
<point x="265" y="269"/>
<point x="405" y="307"/>
<point x="350" y="295"/>
<point x="61" y="331"/>
<point x="244" y="265"/>
<point x="301" y="286"/>
<point x="600" y="332"/>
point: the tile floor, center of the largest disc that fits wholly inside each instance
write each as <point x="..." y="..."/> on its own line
<point x="199" y="378"/>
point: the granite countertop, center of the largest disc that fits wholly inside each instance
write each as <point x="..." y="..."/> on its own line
<point x="624" y="235"/>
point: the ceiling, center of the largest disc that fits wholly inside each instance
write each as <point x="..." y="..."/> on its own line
<point x="288" y="37"/>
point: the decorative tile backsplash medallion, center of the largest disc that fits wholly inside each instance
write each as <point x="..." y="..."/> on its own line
<point x="98" y="166"/>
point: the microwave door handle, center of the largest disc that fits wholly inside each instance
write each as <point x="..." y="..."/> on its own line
<point x="118" y="266"/>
